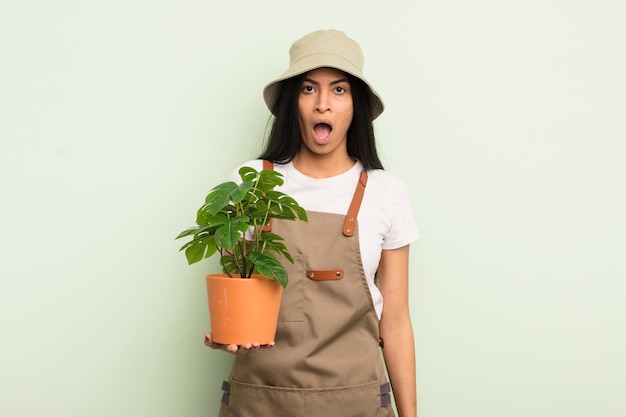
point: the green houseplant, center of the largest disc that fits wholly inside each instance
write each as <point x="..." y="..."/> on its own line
<point x="231" y="222"/>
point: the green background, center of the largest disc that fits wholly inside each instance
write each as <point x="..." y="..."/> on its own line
<point x="505" y="118"/>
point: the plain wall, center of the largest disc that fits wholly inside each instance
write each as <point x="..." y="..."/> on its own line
<point x="505" y="118"/>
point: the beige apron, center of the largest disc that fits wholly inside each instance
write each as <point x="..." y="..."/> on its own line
<point x="326" y="361"/>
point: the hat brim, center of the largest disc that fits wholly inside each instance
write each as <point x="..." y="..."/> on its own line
<point x="315" y="61"/>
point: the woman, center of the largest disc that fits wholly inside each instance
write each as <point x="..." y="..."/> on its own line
<point x="352" y="254"/>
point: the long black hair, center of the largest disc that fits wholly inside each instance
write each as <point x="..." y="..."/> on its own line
<point x="284" y="139"/>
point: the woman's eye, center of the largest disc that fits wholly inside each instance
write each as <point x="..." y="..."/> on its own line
<point x="307" y="88"/>
<point x="340" y="90"/>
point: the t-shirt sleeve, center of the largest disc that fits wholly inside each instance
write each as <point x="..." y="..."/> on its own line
<point x="403" y="228"/>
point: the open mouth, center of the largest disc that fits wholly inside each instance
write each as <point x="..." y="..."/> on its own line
<point x="322" y="132"/>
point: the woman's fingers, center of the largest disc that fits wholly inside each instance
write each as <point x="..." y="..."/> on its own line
<point x="208" y="341"/>
<point x="235" y="349"/>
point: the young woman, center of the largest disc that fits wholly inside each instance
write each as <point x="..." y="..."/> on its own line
<point x="348" y="289"/>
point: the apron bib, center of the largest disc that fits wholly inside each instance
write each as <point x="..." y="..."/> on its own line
<point x="326" y="361"/>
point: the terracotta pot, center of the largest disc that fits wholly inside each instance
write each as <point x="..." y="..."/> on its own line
<point x="243" y="310"/>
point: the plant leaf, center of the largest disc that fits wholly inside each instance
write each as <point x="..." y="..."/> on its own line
<point x="271" y="242"/>
<point x="248" y="173"/>
<point x="228" y="234"/>
<point x="199" y="248"/>
<point x="270" y="267"/>
<point x="268" y="179"/>
<point x="188" y="232"/>
<point x="219" y="197"/>
<point x="241" y="192"/>
<point x="285" y="207"/>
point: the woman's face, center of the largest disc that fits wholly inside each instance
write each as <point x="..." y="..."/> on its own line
<point x="325" y="112"/>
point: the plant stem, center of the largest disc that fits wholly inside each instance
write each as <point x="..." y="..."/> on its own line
<point x="241" y="267"/>
<point x="222" y="260"/>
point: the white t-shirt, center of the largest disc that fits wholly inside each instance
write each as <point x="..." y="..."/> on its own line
<point x="385" y="219"/>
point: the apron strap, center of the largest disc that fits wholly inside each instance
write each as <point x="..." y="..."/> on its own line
<point x="353" y="211"/>
<point x="268" y="165"/>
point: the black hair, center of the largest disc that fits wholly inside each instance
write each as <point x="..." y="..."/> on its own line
<point x="284" y="139"/>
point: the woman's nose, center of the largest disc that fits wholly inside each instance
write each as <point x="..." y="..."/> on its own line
<point x="323" y="103"/>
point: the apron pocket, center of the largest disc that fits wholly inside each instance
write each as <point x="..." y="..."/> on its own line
<point x="292" y="302"/>
<point x="353" y="401"/>
<point x="250" y="400"/>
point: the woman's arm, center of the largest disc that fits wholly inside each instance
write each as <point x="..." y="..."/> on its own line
<point x="396" y="329"/>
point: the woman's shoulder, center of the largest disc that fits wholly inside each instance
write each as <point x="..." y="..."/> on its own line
<point x="388" y="180"/>
<point x="388" y="198"/>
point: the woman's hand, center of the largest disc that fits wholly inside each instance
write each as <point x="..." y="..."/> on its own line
<point x="235" y="349"/>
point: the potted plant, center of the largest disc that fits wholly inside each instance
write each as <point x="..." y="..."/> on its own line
<point x="233" y="222"/>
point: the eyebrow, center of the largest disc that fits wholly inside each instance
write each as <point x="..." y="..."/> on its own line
<point x="341" y="80"/>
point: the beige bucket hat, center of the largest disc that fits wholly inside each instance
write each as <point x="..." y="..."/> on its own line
<point x="324" y="48"/>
